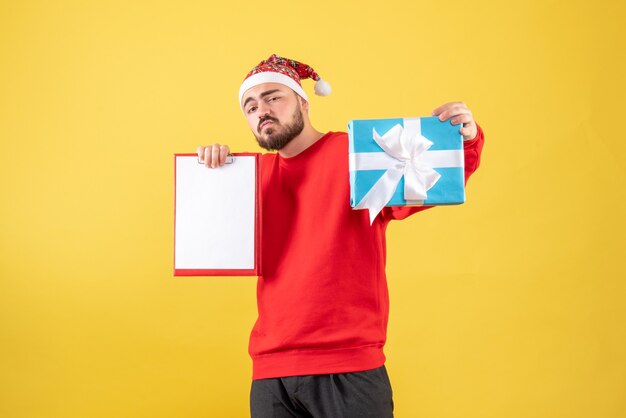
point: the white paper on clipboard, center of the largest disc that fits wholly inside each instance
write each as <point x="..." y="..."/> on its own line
<point x="216" y="217"/>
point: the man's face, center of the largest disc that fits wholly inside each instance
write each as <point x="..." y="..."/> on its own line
<point x="274" y="114"/>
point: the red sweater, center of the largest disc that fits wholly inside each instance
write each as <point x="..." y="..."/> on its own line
<point x="322" y="300"/>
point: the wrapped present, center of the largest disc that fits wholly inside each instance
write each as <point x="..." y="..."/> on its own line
<point x="400" y="162"/>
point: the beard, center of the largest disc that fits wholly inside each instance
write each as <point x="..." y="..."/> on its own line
<point x="278" y="135"/>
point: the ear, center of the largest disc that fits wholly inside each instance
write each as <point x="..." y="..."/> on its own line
<point x="304" y="104"/>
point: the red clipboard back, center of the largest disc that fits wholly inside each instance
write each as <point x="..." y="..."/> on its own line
<point x="217" y="217"/>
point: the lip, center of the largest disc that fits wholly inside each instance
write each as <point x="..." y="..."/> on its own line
<point x="264" y="124"/>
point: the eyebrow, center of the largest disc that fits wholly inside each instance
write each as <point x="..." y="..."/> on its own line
<point x="262" y="95"/>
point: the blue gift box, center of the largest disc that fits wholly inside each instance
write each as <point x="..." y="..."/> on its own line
<point x="423" y="154"/>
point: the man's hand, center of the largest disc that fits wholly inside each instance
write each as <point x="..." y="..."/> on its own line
<point x="460" y="114"/>
<point x="213" y="156"/>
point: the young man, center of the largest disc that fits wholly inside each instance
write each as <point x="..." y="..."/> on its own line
<point x="317" y="345"/>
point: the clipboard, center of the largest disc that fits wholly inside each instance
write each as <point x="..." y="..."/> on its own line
<point x="217" y="217"/>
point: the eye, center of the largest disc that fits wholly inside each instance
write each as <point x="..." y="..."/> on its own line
<point x="251" y="109"/>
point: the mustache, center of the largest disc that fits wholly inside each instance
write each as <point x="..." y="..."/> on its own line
<point x="265" y="119"/>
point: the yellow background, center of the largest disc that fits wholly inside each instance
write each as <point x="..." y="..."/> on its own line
<point x="512" y="305"/>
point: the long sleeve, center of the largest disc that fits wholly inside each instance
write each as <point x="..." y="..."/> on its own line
<point x="473" y="150"/>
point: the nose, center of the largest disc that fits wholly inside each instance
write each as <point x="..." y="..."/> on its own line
<point x="264" y="109"/>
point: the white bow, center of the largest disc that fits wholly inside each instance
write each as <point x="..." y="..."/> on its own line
<point x="404" y="151"/>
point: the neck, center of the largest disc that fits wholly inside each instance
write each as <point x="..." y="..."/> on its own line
<point x="307" y="137"/>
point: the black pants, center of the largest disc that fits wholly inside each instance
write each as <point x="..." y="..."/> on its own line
<point x="342" y="395"/>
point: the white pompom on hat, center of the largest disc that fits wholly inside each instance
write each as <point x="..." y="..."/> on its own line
<point x="284" y="71"/>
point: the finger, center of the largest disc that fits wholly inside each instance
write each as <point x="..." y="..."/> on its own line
<point x="205" y="156"/>
<point x="211" y="155"/>
<point x="215" y="156"/>
<point x="201" y="154"/>
<point x="224" y="151"/>
<point x="468" y="132"/>
<point x="464" y="118"/>
<point x="200" y="151"/>
<point x="447" y="106"/>
<point x="454" y="111"/>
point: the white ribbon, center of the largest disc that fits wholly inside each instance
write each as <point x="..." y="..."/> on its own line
<point x="405" y="151"/>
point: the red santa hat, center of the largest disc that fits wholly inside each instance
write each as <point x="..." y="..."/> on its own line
<point x="284" y="71"/>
